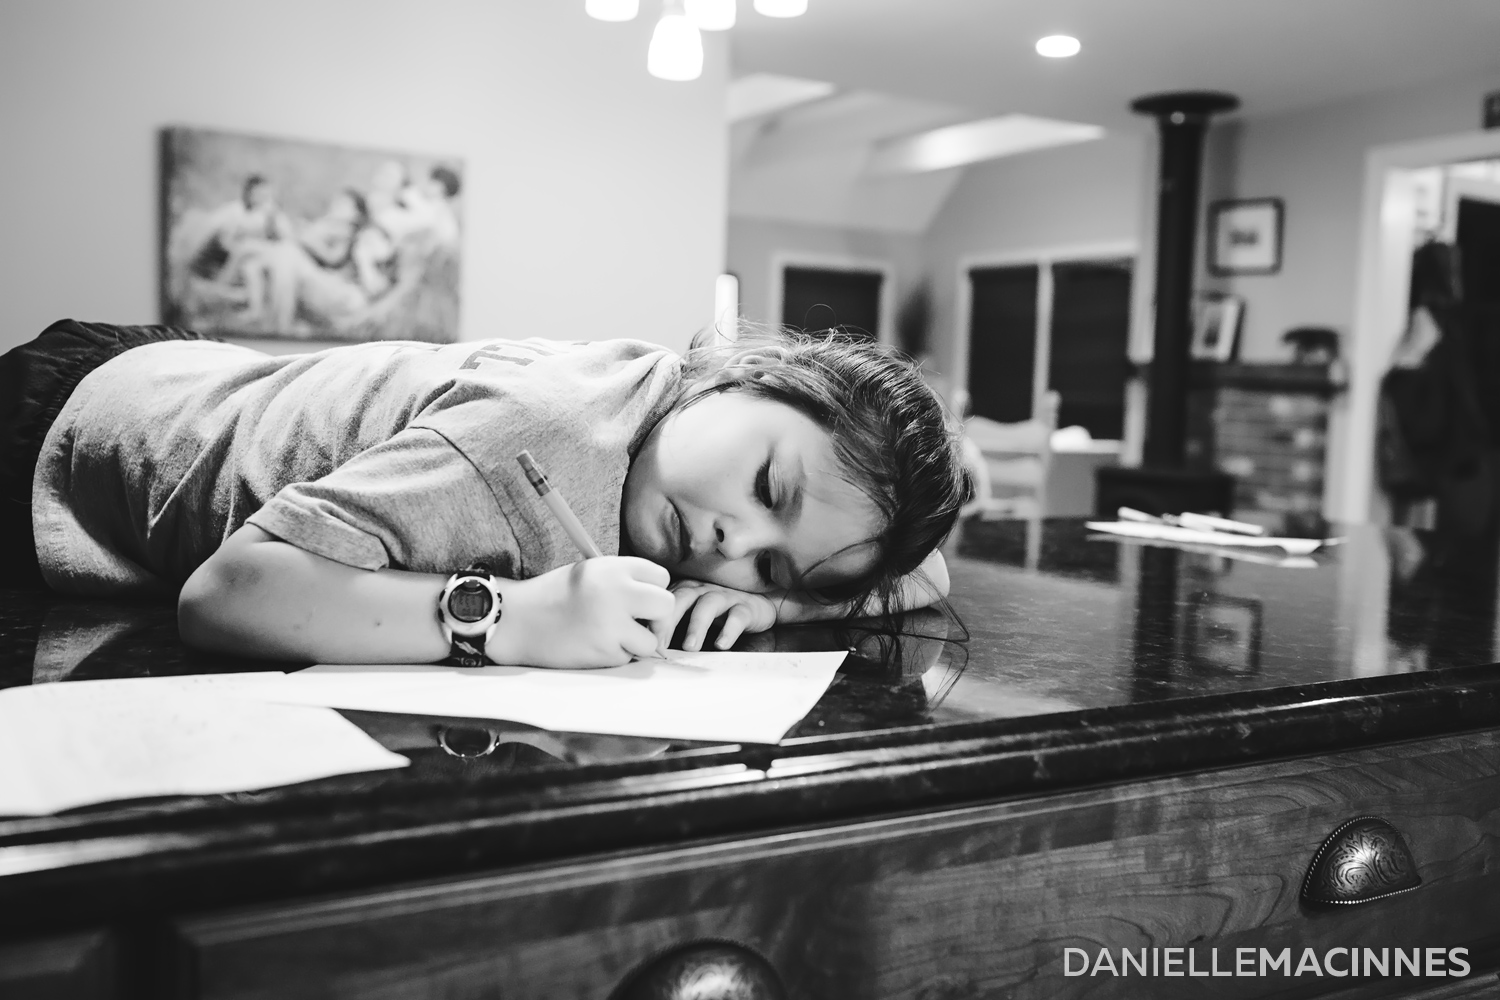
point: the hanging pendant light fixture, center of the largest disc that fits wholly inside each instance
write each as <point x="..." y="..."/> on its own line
<point x="612" y="10"/>
<point x="710" y="15"/>
<point x="676" y="51"/>
<point x="781" y="8"/>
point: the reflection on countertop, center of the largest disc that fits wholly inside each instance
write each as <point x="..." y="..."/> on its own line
<point x="1046" y="617"/>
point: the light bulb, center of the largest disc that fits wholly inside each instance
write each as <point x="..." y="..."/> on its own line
<point x="1057" y="46"/>
<point x="781" y="8"/>
<point x="676" y="51"/>
<point x="612" y="10"/>
<point x="711" y="15"/>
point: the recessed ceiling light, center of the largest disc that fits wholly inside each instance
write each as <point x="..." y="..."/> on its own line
<point x="781" y="8"/>
<point x="1057" y="46"/>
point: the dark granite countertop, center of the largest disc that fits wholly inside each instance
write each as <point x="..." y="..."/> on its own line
<point x="1070" y="659"/>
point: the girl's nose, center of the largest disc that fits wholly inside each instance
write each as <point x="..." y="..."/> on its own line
<point x="738" y="537"/>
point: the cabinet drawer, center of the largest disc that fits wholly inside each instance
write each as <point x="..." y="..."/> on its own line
<point x="973" y="902"/>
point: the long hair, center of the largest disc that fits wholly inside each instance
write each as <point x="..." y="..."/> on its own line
<point x="892" y="437"/>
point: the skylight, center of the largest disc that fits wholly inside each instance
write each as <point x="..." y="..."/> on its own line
<point x="974" y="142"/>
<point x="763" y="93"/>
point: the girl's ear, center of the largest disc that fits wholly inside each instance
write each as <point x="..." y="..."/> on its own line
<point x="750" y="361"/>
<point x="761" y="355"/>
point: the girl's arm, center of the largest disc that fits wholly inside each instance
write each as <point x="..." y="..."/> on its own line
<point x="921" y="588"/>
<point x="705" y="603"/>
<point x="261" y="597"/>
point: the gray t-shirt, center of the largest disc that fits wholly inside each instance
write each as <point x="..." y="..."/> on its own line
<point x="373" y="455"/>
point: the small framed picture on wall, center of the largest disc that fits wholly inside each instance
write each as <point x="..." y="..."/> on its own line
<point x="1244" y="237"/>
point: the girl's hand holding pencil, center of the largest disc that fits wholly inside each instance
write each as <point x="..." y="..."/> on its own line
<point x="584" y="615"/>
<point x="580" y="610"/>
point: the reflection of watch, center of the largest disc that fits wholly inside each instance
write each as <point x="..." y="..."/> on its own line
<point x="468" y="611"/>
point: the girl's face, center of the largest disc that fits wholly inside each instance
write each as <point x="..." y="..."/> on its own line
<point x="745" y="492"/>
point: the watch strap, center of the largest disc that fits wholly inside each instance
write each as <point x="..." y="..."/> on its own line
<point x="464" y="651"/>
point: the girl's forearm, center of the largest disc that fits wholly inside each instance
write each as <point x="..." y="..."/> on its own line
<point x="923" y="587"/>
<point x="258" y="596"/>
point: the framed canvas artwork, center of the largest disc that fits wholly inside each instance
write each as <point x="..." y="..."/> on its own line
<point x="267" y="237"/>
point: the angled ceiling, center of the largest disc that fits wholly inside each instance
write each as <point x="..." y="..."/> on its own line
<point x="810" y="163"/>
<point x="1277" y="55"/>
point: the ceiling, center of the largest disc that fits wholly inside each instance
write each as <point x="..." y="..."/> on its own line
<point x="1276" y="55"/>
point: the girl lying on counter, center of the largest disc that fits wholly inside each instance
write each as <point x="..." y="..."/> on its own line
<point x="364" y="503"/>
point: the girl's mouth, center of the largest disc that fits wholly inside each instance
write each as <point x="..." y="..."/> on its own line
<point x="674" y="535"/>
<point x="684" y="544"/>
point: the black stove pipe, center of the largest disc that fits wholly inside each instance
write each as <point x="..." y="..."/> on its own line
<point x="1182" y="118"/>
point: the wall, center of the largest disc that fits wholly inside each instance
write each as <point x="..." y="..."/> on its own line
<point x="595" y="195"/>
<point x="1083" y="195"/>
<point x="753" y="242"/>
<point x="1315" y="161"/>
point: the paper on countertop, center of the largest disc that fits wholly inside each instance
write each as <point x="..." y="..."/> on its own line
<point x="729" y="697"/>
<point x="1192" y="536"/>
<point x="77" y="743"/>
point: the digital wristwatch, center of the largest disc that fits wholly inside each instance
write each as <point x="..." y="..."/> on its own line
<point x="468" y="611"/>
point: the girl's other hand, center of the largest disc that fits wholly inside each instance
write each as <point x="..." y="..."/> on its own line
<point x="584" y="615"/>
<point x="705" y="603"/>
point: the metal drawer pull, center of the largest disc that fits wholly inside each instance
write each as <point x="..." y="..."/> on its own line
<point x="1363" y="859"/>
<point x="706" y="971"/>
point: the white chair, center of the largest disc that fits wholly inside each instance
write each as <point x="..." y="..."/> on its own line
<point x="1009" y="464"/>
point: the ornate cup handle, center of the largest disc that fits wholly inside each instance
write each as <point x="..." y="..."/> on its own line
<point x="464" y="753"/>
<point x="1362" y="860"/>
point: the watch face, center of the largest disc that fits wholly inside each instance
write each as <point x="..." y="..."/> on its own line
<point x="469" y="602"/>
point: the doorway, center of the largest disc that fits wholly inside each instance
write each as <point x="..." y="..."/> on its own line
<point x="1395" y="219"/>
<point x="1390" y="214"/>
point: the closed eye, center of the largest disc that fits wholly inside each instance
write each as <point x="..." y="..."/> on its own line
<point x="763" y="485"/>
<point x="764" y="571"/>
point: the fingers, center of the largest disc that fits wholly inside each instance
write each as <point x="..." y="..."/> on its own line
<point x="735" y="623"/>
<point x="653" y="603"/>
<point x="646" y="571"/>
<point x="638" y="640"/>
<point x="683" y="596"/>
<point x="708" y="607"/>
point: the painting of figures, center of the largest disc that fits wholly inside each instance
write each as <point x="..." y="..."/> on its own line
<point x="297" y="240"/>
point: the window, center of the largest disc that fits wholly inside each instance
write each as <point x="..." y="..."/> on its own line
<point x="816" y="298"/>
<point x="1060" y="325"/>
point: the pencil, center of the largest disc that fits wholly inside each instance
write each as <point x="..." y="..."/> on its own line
<point x="565" y="517"/>
<point x="558" y="506"/>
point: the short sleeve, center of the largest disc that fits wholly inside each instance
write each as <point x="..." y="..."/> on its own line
<point x="413" y="502"/>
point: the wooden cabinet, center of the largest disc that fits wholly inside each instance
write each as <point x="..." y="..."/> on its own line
<point x="75" y="967"/>
<point x="981" y="901"/>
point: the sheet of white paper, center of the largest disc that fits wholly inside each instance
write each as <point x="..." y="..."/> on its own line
<point x="1172" y="533"/>
<point x="81" y="742"/>
<point x="729" y="696"/>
